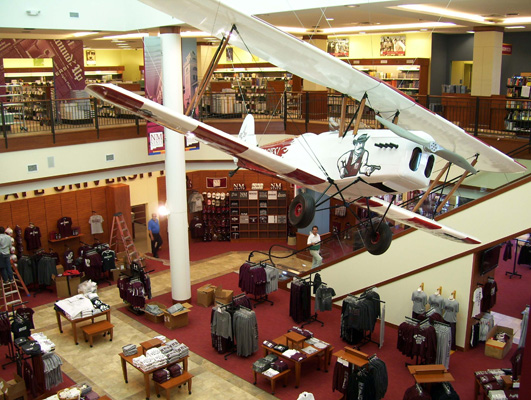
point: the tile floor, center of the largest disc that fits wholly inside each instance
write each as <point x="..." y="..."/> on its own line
<point x="100" y="366"/>
<point x="509" y="322"/>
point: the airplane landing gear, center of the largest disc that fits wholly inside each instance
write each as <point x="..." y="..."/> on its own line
<point x="302" y="210"/>
<point x="377" y="239"/>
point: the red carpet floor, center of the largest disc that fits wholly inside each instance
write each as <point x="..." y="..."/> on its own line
<point x="513" y="292"/>
<point x="273" y="321"/>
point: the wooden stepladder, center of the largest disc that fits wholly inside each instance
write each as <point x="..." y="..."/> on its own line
<point x="121" y="239"/>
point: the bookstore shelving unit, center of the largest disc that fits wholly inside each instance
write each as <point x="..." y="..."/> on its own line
<point x="518" y="104"/>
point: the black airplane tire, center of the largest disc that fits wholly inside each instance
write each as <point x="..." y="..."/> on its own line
<point x="378" y="242"/>
<point x="301" y="210"/>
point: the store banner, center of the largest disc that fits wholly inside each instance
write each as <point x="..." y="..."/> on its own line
<point x="67" y="55"/>
<point x="507" y="49"/>
<point x="216" y="183"/>
<point x="190" y="83"/>
<point x="153" y="90"/>
<point x="393" y="46"/>
<point x="338" y="47"/>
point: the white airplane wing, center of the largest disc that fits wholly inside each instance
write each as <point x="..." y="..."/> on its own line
<point x="309" y="62"/>
<point x="403" y="216"/>
<point x="250" y="157"/>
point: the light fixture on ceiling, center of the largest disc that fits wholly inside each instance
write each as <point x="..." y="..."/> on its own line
<point x="515" y="27"/>
<point x="441" y="12"/>
<point x="393" y="27"/>
<point x="138" y="35"/>
<point x="81" y="34"/>
<point x="330" y="19"/>
<point x="33" y="13"/>
<point x="353" y="5"/>
<point x="470" y="31"/>
<point x="517" y="20"/>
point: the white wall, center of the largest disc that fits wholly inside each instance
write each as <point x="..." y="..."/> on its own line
<point x="488" y="221"/>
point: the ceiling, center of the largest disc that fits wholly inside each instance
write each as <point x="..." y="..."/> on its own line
<point x="362" y="18"/>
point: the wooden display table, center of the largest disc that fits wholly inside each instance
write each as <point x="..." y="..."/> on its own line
<point x="149" y="344"/>
<point x="434" y="373"/>
<point x="294" y="340"/>
<point x="76" y="321"/>
<point x="322" y="354"/>
<point x="273" y="379"/>
<point x="129" y="360"/>
<point x="89" y="331"/>
<point x="353" y="356"/>
<point x="185" y="377"/>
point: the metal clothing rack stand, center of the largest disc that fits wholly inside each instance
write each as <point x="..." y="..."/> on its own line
<point x="11" y="354"/>
<point x="135" y="274"/>
<point x="313" y="318"/>
<point x="263" y="298"/>
<point x="234" y="308"/>
<point x="367" y="337"/>
<point x="514" y="273"/>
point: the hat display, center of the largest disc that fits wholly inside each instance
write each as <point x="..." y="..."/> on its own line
<point x="209" y="195"/>
<point x="218" y="195"/>
<point x="222" y="196"/>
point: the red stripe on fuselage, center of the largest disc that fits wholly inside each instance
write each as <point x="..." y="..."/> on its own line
<point x="114" y="96"/>
<point x="226" y="144"/>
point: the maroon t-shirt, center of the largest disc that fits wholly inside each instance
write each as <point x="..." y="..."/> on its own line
<point x="33" y="238"/>
<point x="64" y="226"/>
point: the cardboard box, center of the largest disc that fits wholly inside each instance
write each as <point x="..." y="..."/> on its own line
<point x="496" y="349"/>
<point x="179" y="319"/>
<point x="60" y="269"/>
<point x="73" y="283"/>
<point x="158" y="319"/>
<point x="14" y="389"/>
<point x="223" y="296"/>
<point x="122" y="258"/>
<point x="61" y="286"/>
<point x="205" y="295"/>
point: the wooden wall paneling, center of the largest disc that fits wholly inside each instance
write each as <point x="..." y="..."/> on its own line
<point x="5" y="215"/>
<point x="37" y="215"/>
<point x="20" y="213"/>
<point x="69" y="207"/>
<point x="52" y="205"/>
<point x="98" y="198"/>
<point x="119" y="200"/>
<point x="84" y="211"/>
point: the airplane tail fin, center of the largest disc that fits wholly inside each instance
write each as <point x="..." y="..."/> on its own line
<point x="247" y="133"/>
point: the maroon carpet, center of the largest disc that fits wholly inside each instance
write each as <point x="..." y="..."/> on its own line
<point x="202" y="250"/>
<point x="273" y="321"/>
<point x="513" y="292"/>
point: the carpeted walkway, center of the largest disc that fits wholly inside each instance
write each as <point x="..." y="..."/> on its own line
<point x="273" y="321"/>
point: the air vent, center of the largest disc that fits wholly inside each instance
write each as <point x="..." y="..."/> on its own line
<point x="51" y="162"/>
<point x="32" y="168"/>
<point x="109" y="157"/>
<point x="74" y="14"/>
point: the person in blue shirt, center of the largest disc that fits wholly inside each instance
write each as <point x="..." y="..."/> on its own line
<point x="154" y="235"/>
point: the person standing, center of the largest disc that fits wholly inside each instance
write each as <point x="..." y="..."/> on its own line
<point x="314" y="241"/>
<point x="5" y="256"/>
<point x="154" y="234"/>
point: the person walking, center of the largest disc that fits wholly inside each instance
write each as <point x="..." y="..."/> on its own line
<point x="314" y="241"/>
<point x="154" y="235"/>
<point x="5" y="256"/>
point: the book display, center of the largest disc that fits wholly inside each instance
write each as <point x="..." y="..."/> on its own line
<point x="518" y="117"/>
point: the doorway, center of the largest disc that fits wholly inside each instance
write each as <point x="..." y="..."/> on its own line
<point x="139" y="222"/>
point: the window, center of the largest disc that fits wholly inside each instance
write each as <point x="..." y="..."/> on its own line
<point x="414" y="162"/>
<point x="429" y="166"/>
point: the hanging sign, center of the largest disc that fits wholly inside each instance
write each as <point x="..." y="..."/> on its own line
<point x="507" y="49"/>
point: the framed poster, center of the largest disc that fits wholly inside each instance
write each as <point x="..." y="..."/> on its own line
<point x="338" y="47"/>
<point x="393" y="46"/>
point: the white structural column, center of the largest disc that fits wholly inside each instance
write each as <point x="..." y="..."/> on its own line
<point x="172" y="86"/>
<point x="487" y="64"/>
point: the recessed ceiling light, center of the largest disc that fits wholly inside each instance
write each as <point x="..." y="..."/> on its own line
<point x="515" y="27"/>
<point x="445" y="12"/>
<point x="353" y="6"/>
<point x="423" y="29"/>
<point x="470" y="31"/>
<point x="81" y="34"/>
<point x="363" y="33"/>
<point x="330" y="19"/>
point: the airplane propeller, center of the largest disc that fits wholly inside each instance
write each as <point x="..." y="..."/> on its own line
<point x="431" y="146"/>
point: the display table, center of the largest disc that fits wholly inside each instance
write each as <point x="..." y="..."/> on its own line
<point x="149" y="344"/>
<point x="294" y="340"/>
<point x="186" y="377"/>
<point x="273" y="379"/>
<point x="434" y="373"/>
<point x="322" y="354"/>
<point x="76" y="321"/>
<point x="129" y="360"/>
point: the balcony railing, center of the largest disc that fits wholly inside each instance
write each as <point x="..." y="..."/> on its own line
<point x="476" y="115"/>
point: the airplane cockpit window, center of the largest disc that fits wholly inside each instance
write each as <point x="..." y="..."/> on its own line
<point x="414" y="162"/>
<point x="429" y="166"/>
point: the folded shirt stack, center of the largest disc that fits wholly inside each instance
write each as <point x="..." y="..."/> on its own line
<point x="261" y="365"/>
<point x="279" y="365"/>
<point x="175" y="370"/>
<point x="294" y="355"/>
<point x="144" y="363"/>
<point x="304" y="332"/>
<point x="271" y="358"/>
<point x="162" y="375"/>
<point x="269" y="344"/>
<point x="46" y="344"/>
<point x="153" y="309"/>
<point x="177" y="307"/>
<point x="181" y="349"/>
<point x="129" y="350"/>
<point x="162" y="338"/>
<point x="281" y="348"/>
<point x="270" y="372"/>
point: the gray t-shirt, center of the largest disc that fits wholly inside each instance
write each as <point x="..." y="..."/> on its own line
<point x="419" y="300"/>
<point x="5" y="243"/>
<point x="451" y="308"/>
<point x="436" y="302"/>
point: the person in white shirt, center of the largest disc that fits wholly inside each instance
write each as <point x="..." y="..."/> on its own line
<point x="314" y="241"/>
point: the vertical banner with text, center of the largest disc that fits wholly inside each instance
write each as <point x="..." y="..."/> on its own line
<point x="190" y="82"/>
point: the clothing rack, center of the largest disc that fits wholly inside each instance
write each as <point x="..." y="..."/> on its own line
<point x="514" y="273"/>
<point x="313" y="318"/>
<point x="11" y="354"/>
<point x="367" y="337"/>
<point x="263" y="298"/>
<point x="258" y="299"/>
<point x="41" y="287"/>
<point x="233" y="307"/>
<point x="135" y="274"/>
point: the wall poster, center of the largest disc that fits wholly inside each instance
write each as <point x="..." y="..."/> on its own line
<point x="338" y="47"/>
<point x="393" y="46"/>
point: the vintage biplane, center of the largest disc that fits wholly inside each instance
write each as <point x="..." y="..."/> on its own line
<point x="354" y="165"/>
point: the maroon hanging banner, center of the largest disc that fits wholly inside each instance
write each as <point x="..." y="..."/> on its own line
<point x="67" y="56"/>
